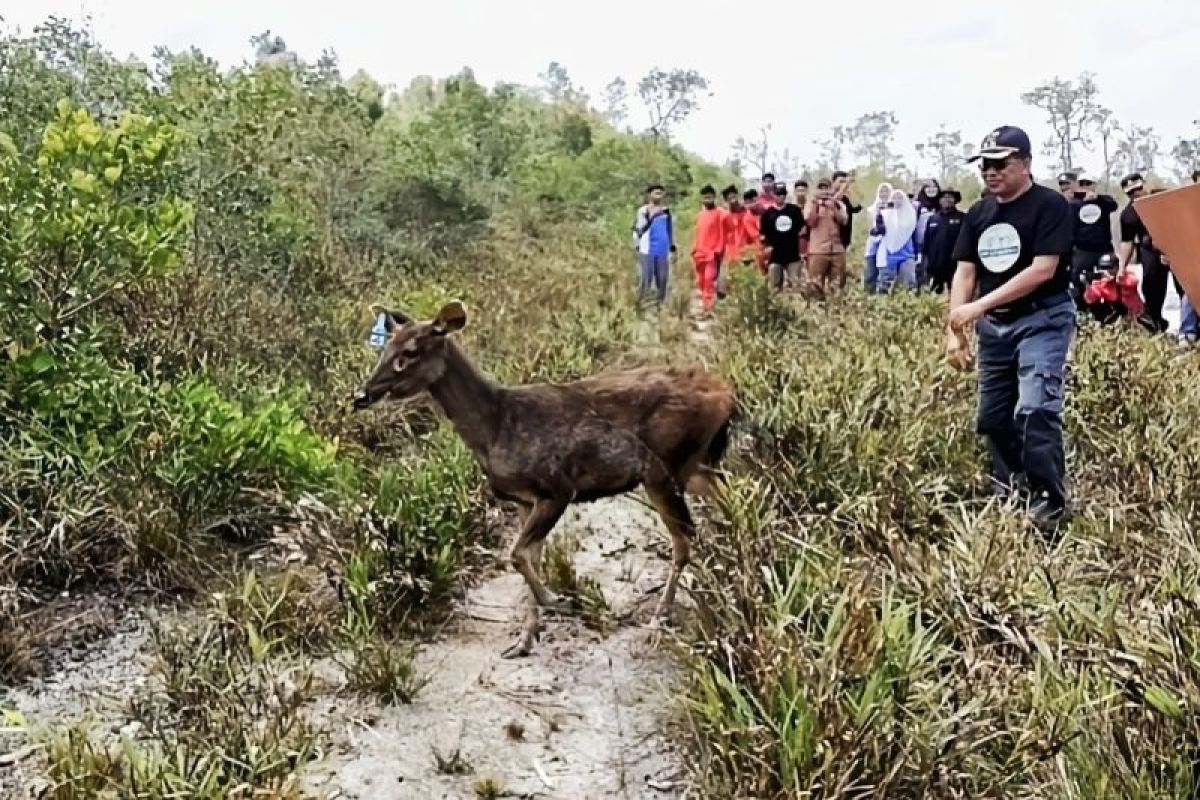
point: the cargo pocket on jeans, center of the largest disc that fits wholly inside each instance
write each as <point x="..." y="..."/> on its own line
<point x="1050" y="391"/>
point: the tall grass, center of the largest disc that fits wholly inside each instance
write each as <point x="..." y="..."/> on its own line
<point x="875" y="624"/>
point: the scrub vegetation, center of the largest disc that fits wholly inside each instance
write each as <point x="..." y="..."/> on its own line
<point x="187" y="258"/>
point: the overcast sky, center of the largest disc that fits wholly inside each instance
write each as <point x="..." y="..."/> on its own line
<point x="801" y="66"/>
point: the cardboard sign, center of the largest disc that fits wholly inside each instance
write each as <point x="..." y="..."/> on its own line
<point x="1173" y="219"/>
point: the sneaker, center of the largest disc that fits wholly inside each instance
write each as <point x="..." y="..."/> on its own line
<point x="1048" y="517"/>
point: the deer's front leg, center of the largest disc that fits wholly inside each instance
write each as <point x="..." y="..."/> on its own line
<point x="526" y="559"/>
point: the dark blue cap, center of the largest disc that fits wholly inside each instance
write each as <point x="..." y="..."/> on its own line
<point x="1005" y="141"/>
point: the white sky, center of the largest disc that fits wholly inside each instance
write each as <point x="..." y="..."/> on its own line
<point x="803" y="66"/>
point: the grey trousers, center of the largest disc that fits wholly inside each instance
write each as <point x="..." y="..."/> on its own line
<point x="656" y="271"/>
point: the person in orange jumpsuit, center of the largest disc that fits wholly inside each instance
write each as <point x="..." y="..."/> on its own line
<point x="708" y="246"/>
<point x="750" y="201"/>
<point x="741" y="236"/>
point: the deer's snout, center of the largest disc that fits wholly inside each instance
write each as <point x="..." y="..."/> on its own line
<point x="360" y="400"/>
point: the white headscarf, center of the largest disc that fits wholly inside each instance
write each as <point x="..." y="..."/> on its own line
<point x="899" y="221"/>
<point x="884" y="189"/>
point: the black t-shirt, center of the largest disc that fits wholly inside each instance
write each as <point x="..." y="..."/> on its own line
<point x="781" y="227"/>
<point x="1133" y="229"/>
<point x="848" y="229"/>
<point x="1002" y="239"/>
<point x="1093" y="223"/>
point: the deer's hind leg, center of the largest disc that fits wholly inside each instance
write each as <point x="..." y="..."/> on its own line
<point x="526" y="558"/>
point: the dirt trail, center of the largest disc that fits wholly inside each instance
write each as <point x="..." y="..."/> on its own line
<point x="592" y="709"/>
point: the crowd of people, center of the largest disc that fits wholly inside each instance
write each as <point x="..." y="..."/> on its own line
<point x="800" y="239"/>
<point x="1021" y="265"/>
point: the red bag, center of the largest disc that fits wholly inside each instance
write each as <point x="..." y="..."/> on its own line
<point x="1122" y="290"/>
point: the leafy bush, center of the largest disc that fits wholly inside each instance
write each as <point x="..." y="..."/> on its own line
<point x="86" y="220"/>
<point x="421" y="520"/>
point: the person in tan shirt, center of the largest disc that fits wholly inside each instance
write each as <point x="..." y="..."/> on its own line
<point x="825" y="215"/>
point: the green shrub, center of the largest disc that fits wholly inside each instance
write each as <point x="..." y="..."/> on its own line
<point x="421" y="522"/>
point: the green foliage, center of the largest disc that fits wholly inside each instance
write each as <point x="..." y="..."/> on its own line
<point x="872" y="617"/>
<point x="264" y="446"/>
<point x="85" y="220"/>
<point x="422" y="518"/>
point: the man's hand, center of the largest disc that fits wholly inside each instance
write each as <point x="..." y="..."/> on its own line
<point x="964" y="315"/>
<point x="958" y="350"/>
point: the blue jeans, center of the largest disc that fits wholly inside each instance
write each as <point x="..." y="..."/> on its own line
<point x="1189" y="322"/>
<point x="1021" y="364"/>
<point x="905" y="270"/>
<point x="870" y="275"/>
<point x="656" y="270"/>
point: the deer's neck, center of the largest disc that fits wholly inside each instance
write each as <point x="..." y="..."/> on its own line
<point x="470" y="399"/>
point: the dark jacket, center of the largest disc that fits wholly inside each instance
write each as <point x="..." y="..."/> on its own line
<point x="941" y="234"/>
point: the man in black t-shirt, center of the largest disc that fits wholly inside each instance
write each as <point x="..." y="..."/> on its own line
<point x="1092" y="215"/>
<point x="1014" y="249"/>
<point x="1135" y="238"/>
<point x="780" y="228"/>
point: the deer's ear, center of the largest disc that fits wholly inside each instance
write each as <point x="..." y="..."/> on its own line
<point x="391" y="319"/>
<point x="452" y="317"/>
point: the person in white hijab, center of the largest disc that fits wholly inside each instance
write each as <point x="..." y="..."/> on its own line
<point x="875" y="237"/>
<point x="897" y="252"/>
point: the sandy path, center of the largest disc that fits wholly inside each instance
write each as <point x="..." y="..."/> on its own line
<point x="593" y="709"/>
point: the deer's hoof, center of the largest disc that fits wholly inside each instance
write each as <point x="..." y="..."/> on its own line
<point x="518" y="649"/>
<point x="559" y="605"/>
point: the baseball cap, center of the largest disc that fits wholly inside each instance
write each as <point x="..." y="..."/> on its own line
<point x="1132" y="181"/>
<point x="1086" y="182"/>
<point x="1005" y="141"/>
<point x="1067" y="177"/>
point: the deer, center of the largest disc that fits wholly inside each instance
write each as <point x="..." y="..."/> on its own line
<point x="546" y="446"/>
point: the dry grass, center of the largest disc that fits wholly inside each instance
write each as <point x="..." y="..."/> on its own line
<point x="880" y="627"/>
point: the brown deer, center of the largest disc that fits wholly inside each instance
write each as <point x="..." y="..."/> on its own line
<point x="545" y="446"/>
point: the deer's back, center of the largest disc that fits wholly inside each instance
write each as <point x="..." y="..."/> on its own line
<point x="675" y="413"/>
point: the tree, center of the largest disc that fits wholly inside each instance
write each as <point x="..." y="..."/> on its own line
<point x="272" y="50"/>
<point x="671" y="97"/>
<point x="559" y="89"/>
<point x="1069" y="105"/>
<point x="870" y="139"/>
<point x="615" y="103"/>
<point x="369" y="92"/>
<point x="1137" y="148"/>
<point x="756" y="153"/>
<point x="1106" y="127"/>
<point x="945" y="151"/>
<point x="832" y="148"/>
<point x="1186" y="153"/>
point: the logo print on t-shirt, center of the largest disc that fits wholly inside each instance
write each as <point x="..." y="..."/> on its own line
<point x="999" y="247"/>
<point x="1089" y="214"/>
<point x="783" y="224"/>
